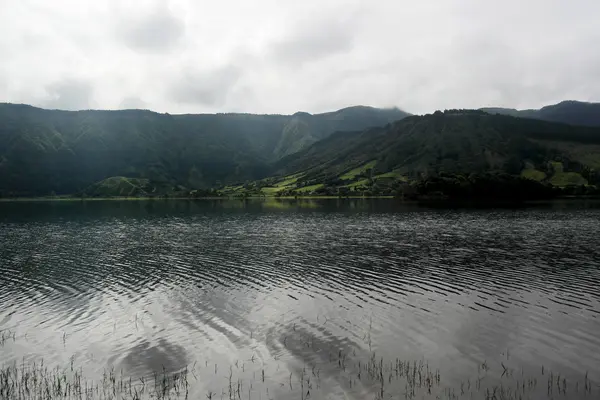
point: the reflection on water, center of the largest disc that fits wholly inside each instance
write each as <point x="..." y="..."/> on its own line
<point x="277" y="287"/>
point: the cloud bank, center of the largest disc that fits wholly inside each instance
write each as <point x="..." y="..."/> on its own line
<point x="282" y="56"/>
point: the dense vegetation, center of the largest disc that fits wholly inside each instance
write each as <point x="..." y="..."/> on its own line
<point x="478" y="150"/>
<point x="50" y="151"/>
<point x="356" y="151"/>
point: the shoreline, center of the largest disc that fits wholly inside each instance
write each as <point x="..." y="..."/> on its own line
<point x="311" y="197"/>
<point x="77" y="199"/>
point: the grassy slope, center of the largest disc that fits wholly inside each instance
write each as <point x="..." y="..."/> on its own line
<point x="311" y="188"/>
<point x="568" y="178"/>
<point x="288" y="181"/>
<point x="454" y="142"/>
<point x="285" y="183"/>
<point x="392" y="175"/>
<point x="534" y="174"/>
<point x="357" y="184"/>
<point x="358" y="171"/>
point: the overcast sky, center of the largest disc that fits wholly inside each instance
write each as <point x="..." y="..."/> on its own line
<point x="280" y="56"/>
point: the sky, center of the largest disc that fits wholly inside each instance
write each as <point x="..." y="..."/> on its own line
<point x="283" y="56"/>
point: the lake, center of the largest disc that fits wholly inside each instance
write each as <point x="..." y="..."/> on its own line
<point x="303" y="298"/>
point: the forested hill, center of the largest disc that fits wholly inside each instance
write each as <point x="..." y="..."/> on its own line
<point x="457" y="142"/>
<point x="357" y="149"/>
<point x="64" y="152"/>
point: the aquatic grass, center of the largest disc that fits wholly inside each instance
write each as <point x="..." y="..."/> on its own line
<point x="366" y="374"/>
<point x="409" y="379"/>
<point x="38" y="381"/>
<point x="6" y="335"/>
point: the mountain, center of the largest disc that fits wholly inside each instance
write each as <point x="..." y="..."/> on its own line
<point x="63" y="152"/>
<point x="568" y="112"/>
<point x="356" y="149"/>
<point x="304" y="129"/>
<point x="451" y="142"/>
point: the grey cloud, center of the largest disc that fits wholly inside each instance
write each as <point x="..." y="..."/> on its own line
<point x="492" y="70"/>
<point x="209" y="88"/>
<point x="314" y="41"/>
<point x="155" y="31"/>
<point x="314" y="55"/>
<point x="69" y="94"/>
<point x="132" y="102"/>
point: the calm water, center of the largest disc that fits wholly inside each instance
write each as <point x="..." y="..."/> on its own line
<point x="297" y="290"/>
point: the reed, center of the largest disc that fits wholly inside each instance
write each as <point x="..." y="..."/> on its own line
<point x="370" y="377"/>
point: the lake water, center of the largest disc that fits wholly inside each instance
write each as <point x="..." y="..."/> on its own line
<point x="306" y="299"/>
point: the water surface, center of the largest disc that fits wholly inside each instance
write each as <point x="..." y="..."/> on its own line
<point x="281" y="287"/>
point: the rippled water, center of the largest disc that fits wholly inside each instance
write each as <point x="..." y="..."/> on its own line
<point x="276" y="288"/>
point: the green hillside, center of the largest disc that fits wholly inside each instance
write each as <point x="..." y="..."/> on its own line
<point x="452" y="143"/>
<point x="353" y="151"/>
<point x="45" y="151"/>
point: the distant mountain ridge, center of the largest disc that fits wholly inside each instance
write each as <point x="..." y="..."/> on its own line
<point x="52" y="151"/>
<point x="569" y="112"/>
<point x="140" y="152"/>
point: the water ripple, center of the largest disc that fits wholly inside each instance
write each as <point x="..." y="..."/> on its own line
<point x="150" y="289"/>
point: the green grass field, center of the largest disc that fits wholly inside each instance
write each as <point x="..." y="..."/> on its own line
<point x="270" y="191"/>
<point x="357" y="171"/>
<point x="365" y="182"/>
<point x="562" y="178"/>
<point x="289" y="180"/>
<point x="353" y="185"/>
<point x="286" y="183"/>
<point x="231" y="189"/>
<point x="391" y="174"/>
<point x="568" y="178"/>
<point x="558" y="166"/>
<point x="533" y="174"/>
<point x="311" y="188"/>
